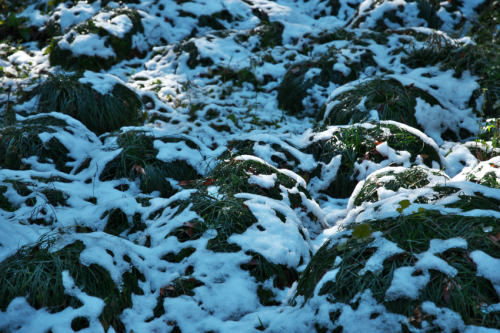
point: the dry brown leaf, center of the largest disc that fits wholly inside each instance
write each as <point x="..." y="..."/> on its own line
<point x="138" y="169"/>
<point x="494" y="239"/>
<point x="185" y="182"/>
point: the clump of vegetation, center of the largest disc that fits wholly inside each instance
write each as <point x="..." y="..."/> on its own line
<point x="479" y="61"/>
<point x="270" y="34"/>
<point x="36" y="273"/>
<point x="427" y="10"/>
<point x="194" y="55"/>
<point x="465" y="293"/>
<point x="358" y="143"/>
<point x="391" y="99"/>
<point x="282" y="157"/>
<point x="227" y="216"/>
<point x="100" y="113"/>
<point x="122" y="47"/>
<point x="5" y="204"/>
<point x="486" y="173"/>
<point x="212" y="21"/>
<point x="412" y="178"/>
<point x="22" y="140"/>
<point x="137" y="160"/>
<point x="297" y="81"/>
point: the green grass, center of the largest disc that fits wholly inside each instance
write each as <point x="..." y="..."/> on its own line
<point x="467" y="291"/>
<point x="99" y="113"/>
<point x="412" y="178"/>
<point x="35" y="273"/>
<point x="389" y="97"/>
<point x="483" y="62"/>
<point x="137" y="160"/>
<point x="194" y="55"/>
<point x="356" y="143"/>
<point x="246" y="147"/>
<point x="121" y="46"/>
<point x="294" y="86"/>
<point x="22" y="140"/>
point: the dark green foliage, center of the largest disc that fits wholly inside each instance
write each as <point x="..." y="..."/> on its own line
<point x="427" y="11"/>
<point x="263" y="270"/>
<point x="293" y="88"/>
<point x="212" y="21"/>
<point x="55" y="197"/>
<point x="35" y="273"/>
<point x="357" y="143"/>
<point x="99" y="113"/>
<point x="390" y="98"/>
<point x="182" y="286"/>
<point x="479" y="61"/>
<point x="121" y="46"/>
<point x="22" y="141"/>
<point x="4" y="202"/>
<point x="477" y="201"/>
<point x="226" y="216"/>
<point x="117" y="222"/>
<point x="413" y="178"/>
<point x="271" y="35"/>
<point x="194" y="55"/>
<point x="179" y="256"/>
<point x="245" y="147"/>
<point x="466" y="292"/>
<point x="138" y="160"/>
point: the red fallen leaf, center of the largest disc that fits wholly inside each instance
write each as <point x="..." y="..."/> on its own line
<point x="411" y="85"/>
<point x="245" y="206"/>
<point x="494" y="239"/>
<point x="498" y="235"/>
<point x="185" y="182"/>
<point x="424" y="156"/>
<point x="253" y="262"/>
<point x="295" y="70"/>
<point x="190" y="227"/>
<point x="366" y="157"/>
<point x="158" y="123"/>
<point x="166" y="20"/>
<point x="209" y="181"/>
<point x="138" y="169"/>
<point x="190" y="280"/>
<point x="379" y="142"/>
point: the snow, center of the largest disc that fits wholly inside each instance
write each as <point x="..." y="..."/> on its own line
<point x="212" y="111"/>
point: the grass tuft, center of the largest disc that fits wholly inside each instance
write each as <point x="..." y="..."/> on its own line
<point x="35" y="273"/>
<point x="22" y="140"/>
<point x="99" y="113"/>
<point x="137" y="160"/>
<point x="465" y="293"/>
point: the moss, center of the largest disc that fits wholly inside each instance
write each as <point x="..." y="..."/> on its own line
<point x="121" y="46"/>
<point x="355" y="144"/>
<point x="22" y="141"/>
<point x="99" y="113"/>
<point x="465" y="293"/>
<point x="137" y="160"/>
<point x="36" y="273"/>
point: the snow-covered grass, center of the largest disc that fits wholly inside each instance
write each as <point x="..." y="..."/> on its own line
<point x="249" y="165"/>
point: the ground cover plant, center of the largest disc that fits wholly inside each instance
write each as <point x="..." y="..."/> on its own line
<point x="249" y="165"/>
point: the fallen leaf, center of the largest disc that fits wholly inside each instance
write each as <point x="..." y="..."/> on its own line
<point x="446" y="291"/>
<point x="379" y="142"/>
<point x="424" y="156"/>
<point x="138" y="169"/>
<point x="190" y="227"/>
<point x="185" y="182"/>
<point x="479" y="155"/>
<point x="295" y="70"/>
<point x="209" y="181"/>
<point x="494" y="239"/>
<point x="253" y="262"/>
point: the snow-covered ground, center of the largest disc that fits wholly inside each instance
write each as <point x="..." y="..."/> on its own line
<point x="249" y="86"/>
